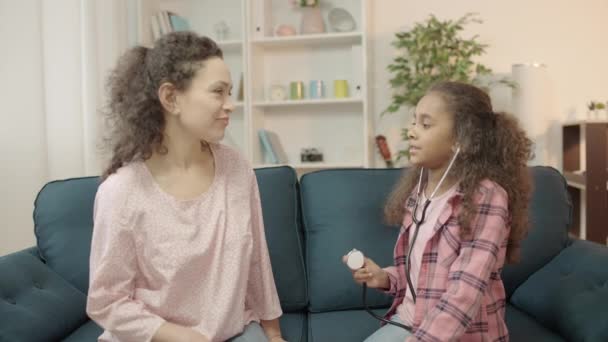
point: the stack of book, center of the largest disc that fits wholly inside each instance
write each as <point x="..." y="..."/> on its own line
<point x="271" y="147"/>
<point x="164" y="22"/>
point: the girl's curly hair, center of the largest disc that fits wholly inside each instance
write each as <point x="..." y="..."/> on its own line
<point x="493" y="146"/>
<point x="134" y="115"/>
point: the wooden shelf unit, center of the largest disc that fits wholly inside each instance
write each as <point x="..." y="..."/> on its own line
<point x="585" y="163"/>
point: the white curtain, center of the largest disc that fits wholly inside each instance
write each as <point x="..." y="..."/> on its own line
<point x="54" y="61"/>
<point x="81" y="41"/>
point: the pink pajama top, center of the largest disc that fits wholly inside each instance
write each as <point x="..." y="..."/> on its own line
<point x="201" y="263"/>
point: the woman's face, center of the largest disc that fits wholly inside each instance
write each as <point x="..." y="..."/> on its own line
<point x="205" y="105"/>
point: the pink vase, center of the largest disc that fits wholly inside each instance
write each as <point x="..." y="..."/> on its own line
<point x="312" y="21"/>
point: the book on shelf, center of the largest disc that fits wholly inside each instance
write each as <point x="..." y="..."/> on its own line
<point x="271" y="147"/>
<point x="179" y="23"/>
<point x="155" y="23"/>
<point x="164" y="22"/>
<point x="241" y="91"/>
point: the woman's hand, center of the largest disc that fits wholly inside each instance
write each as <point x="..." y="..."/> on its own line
<point x="194" y="336"/>
<point x="272" y="330"/>
<point x="173" y="332"/>
<point x="371" y="274"/>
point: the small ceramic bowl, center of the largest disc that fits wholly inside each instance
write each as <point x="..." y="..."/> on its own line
<point x="285" y="30"/>
<point x="340" y="20"/>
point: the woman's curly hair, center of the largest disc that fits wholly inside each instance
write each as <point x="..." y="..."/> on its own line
<point x="492" y="146"/>
<point x="134" y="115"/>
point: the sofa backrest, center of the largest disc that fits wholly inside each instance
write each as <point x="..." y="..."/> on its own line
<point x="281" y="210"/>
<point x="63" y="224"/>
<point x="63" y="217"/>
<point x="550" y="217"/>
<point x="342" y="210"/>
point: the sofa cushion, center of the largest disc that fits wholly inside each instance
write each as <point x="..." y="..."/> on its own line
<point x="294" y="327"/>
<point x="280" y="208"/>
<point x="87" y="332"/>
<point x="550" y="216"/>
<point x="36" y="304"/>
<point x="570" y="294"/>
<point x="63" y="218"/>
<point x="342" y="209"/>
<point x="342" y="326"/>
<point x="522" y="327"/>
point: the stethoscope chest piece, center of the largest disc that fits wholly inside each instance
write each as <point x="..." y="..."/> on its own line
<point x="355" y="259"/>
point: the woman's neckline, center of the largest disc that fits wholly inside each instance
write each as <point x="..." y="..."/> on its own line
<point x="216" y="165"/>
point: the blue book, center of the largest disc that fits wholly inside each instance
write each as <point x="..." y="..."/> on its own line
<point x="179" y="23"/>
<point x="277" y="148"/>
<point x="269" y="154"/>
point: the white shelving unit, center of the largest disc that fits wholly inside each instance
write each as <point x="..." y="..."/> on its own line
<point x="339" y="127"/>
<point x="310" y="40"/>
<point x="289" y="103"/>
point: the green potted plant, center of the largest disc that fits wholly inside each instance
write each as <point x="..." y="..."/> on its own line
<point x="432" y="51"/>
<point x="595" y="109"/>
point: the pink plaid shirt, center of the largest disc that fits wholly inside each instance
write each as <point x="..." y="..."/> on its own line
<point x="460" y="294"/>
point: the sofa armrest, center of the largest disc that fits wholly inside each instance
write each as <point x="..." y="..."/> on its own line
<point x="569" y="295"/>
<point x="36" y="304"/>
<point x="31" y="250"/>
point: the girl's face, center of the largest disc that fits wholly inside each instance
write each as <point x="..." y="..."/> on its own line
<point x="205" y="106"/>
<point x="431" y="134"/>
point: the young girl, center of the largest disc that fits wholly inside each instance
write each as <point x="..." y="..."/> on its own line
<point x="178" y="250"/>
<point x="463" y="213"/>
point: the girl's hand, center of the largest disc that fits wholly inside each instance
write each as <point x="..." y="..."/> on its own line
<point x="371" y="274"/>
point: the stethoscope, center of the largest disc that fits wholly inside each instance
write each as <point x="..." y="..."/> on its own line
<point x="358" y="258"/>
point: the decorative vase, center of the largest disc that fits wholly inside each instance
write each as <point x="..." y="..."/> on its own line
<point x="312" y="20"/>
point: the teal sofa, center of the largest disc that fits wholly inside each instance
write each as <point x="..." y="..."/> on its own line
<point x="559" y="292"/>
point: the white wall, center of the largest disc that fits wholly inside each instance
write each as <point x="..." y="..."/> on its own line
<point x="22" y="132"/>
<point x="569" y="37"/>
